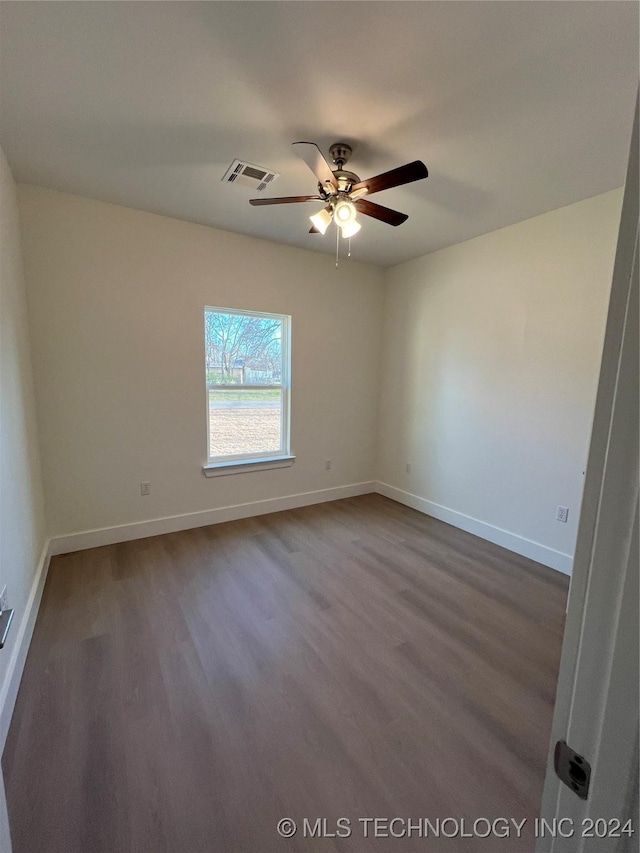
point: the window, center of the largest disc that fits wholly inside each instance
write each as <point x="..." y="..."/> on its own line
<point x="247" y="379"/>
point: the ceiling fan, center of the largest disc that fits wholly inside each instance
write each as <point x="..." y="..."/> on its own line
<point x="342" y="192"/>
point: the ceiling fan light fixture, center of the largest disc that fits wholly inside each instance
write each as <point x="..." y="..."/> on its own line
<point x="355" y="194"/>
<point x="351" y="228"/>
<point x="322" y="219"/>
<point x="344" y="213"/>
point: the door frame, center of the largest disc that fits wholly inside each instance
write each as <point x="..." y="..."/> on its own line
<point x="596" y="709"/>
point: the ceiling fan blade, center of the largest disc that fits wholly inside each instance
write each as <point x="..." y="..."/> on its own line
<point x="314" y="159"/>
<point x="396" y="177"/>
<point x="292" y="199"/>
<point x="384" y="214"/>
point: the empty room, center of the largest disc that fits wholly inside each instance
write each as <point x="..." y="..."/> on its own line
<point x="318" y="427"/>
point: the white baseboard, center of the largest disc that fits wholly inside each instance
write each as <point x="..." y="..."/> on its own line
<point x="20" y="647"/>
<point x="526" y="547"/>
<point x="171" y="524"/>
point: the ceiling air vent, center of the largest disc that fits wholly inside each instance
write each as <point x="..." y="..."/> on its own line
<point x="249" y="175"/>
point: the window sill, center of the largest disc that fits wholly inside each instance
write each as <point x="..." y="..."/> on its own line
<point x="242" y="466"/>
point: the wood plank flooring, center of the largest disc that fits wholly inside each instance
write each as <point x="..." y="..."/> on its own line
<point x="353" y="659"/>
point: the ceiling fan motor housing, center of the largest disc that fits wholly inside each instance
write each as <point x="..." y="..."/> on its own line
<point x="345" y="182"/>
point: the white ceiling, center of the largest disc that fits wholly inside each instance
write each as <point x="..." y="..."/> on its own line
<point x="517" y="108"/>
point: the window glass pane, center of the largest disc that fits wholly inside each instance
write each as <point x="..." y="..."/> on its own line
<point x="245" y="421"/>
<point x="243" y="349"/>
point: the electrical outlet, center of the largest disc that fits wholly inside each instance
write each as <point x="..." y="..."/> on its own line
<point x="562" y="513"/>
<point x="407" y="468"/>
<point x="327" y="465"/>
<point x="4" y="599"/>
<point x="145" y="488"/>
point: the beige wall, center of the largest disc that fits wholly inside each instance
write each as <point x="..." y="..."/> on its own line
<point x="116" y="309"/>
<point x="491" y="357"/>
<point x="21" y="504"/>
<point x="489" y="354"/>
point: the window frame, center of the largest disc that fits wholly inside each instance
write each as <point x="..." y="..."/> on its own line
<point x="234" y="463"/>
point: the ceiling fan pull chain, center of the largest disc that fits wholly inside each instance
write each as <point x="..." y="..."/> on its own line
<point x="337" y="244"/>
<point x="349" y="248"/>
